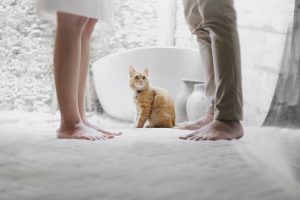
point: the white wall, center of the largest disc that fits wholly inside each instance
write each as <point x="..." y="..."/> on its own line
<point x="26" y="45"/>
<point x="263" y="26"/>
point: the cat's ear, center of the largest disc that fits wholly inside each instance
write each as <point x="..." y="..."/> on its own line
<point x="132" y="71"/>
<point x="146" y="71"/>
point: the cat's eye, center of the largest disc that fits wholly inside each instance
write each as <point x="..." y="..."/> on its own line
<point x="136" y="77"/>
<point x="144" y="77"/>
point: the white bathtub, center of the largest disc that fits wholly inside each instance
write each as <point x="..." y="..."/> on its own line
<point x="167" y="66"/>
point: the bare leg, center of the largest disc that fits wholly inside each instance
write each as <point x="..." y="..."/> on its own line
<point x="217" y="130"/>
<point x="66" y="74"/>
<point x="84" y="66"/>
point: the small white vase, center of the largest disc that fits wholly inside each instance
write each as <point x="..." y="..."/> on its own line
<point x="181" y="99"/>
<point x="196" y="105"/>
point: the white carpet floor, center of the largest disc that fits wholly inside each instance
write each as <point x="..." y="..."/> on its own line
<point x="144" y="164"/>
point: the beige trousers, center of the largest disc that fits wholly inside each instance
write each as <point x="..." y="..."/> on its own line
<point x="214" y="24"/>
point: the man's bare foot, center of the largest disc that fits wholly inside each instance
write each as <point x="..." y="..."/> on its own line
<point x="109" y="133"/>
<point x="195" y="125"/>
<point x="217" y="130"/>
<point x="81" y="131"/>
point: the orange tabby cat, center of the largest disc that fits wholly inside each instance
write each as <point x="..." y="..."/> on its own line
<point x="153" y="104"/>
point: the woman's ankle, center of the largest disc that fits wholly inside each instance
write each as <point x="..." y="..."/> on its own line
<point x="71" y="125"/>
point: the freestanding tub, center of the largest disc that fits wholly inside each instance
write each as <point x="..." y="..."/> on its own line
<point x="167" y="66"/>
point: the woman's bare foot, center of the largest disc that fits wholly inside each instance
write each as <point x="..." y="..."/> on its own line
<point x="81" y="131"/>
<point x="217" y="130"/>
<point x="109" y="133"/>
<point x="195" y="125"/>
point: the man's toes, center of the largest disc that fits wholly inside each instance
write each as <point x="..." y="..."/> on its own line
<point x="195" y="133"/>
<point x="208" y="137"/>
<point x="187" y="136"/>
<point x="200" y="138"/>
<point x="183" y="137"/>
<point x="193" y="137"/>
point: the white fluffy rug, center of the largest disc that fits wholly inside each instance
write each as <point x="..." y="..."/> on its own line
<point x="143" y="164"/>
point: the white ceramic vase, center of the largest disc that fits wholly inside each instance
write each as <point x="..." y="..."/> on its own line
<point x="196" y="105"/>
<point x="181" y="99"/>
